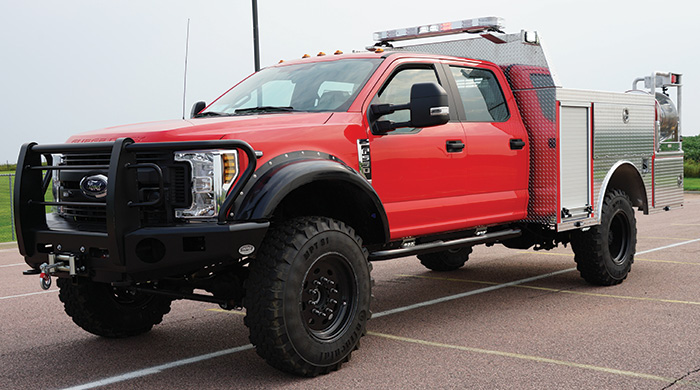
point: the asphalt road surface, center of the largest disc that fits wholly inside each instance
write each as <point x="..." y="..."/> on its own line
<point x="509" y="319"/>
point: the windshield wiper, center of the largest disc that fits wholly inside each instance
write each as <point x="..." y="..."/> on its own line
<point x="209" y="113"/>
<point x="263" y="109"/>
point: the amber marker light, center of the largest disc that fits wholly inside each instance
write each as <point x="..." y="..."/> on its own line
<point x="230" y="170"/>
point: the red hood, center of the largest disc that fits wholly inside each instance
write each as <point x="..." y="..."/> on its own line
<point x="248" y="128"/>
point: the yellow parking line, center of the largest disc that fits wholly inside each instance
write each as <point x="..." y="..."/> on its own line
<point x="667" y="238"/>
<point x="668" y="261"/>
<point x="531" y="358"/>
<point x="547" y="253"/>
<point x="236" y="312"/>
<point x="635" y="259"/>
<point x="562" y="291"/>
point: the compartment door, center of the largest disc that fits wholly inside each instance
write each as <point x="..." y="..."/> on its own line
<point x="574" y="173"/>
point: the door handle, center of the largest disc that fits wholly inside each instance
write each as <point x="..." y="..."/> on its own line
<point x="454" y="146"/>
<point x="516" y="144"/>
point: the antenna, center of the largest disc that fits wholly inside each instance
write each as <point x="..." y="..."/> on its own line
<point x="187" y="52"/>
<point x="256" y="44"/>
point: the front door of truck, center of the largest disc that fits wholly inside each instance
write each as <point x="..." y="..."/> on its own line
<point x="418" y="172"/>
<point x="496" y="147"/>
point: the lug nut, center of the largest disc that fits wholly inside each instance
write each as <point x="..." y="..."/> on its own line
<point x="333" y="291"/>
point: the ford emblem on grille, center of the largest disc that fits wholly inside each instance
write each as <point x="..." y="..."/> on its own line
<point x="94" y="186"/>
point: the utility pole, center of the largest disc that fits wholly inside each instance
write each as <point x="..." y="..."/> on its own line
<point x="256" y="45"/>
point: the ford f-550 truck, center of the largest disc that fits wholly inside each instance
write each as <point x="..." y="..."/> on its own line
<point x="276" y="196"/>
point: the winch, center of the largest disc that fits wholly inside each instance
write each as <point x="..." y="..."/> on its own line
<point x="65" y="263"/>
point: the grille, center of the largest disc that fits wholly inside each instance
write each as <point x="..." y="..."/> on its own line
<point x="175" y="176"/>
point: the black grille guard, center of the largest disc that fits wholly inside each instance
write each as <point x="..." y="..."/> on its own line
<point x="121" y="202"/>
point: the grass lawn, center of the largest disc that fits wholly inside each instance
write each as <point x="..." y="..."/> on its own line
<point x="5" y="220"/>
<point x="5" y="198"/>
<point x="691" y="183"/>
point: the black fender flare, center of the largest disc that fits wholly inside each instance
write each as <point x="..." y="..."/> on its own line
<point x="280" y="176"/>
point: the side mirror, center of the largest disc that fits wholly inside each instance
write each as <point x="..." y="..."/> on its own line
<point x="197" y="108"/>
<point x="429" y="106"/>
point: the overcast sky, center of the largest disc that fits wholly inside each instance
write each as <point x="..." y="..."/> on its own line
<point x="70" y="66"/>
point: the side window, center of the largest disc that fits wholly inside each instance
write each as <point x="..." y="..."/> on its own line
<point x="481" y="95"/>
<point x="398" y="90"/>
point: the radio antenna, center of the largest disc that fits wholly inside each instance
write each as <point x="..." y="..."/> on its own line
<point x="187" y="51"/>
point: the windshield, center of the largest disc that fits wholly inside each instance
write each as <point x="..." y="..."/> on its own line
<point x="316" y="86"/>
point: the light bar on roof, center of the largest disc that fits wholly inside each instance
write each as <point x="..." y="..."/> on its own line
<point x="477" y="25"/>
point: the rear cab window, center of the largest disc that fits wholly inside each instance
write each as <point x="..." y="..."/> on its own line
<point x="481" y="95"/>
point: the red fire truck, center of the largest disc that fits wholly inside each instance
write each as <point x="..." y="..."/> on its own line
<point x="276" y="196"/>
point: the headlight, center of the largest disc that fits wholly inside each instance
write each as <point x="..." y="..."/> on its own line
<point x="213" y="174"/>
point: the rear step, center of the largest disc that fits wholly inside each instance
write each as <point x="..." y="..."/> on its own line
<point x="436" y="246"/>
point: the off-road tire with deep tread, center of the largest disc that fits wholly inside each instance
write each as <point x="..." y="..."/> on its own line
<point x="111" y="312"/>
<point x="448" y="260"/>
<point x="294" y="277"/>
<point x="604" y="254"/>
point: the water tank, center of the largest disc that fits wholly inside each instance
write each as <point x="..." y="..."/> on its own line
<point x="667" y="115"/>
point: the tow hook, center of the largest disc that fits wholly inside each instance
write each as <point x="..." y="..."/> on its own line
<point x="52" y="266"/>
<point x="45" y="276"/>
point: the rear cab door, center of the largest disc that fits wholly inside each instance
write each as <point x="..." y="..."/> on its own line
<point x="497" y="151"/>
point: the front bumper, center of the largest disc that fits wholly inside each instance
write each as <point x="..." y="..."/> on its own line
<point x="123" y="249"/>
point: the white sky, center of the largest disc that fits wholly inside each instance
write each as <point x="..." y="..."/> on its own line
<point x="70" y="66"/>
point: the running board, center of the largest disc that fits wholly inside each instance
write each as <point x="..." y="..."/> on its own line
<point x="436" y="246"/>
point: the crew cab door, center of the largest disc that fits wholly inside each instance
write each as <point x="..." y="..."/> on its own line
<point x="419" y="173"/>
<point x="497" y="152"/>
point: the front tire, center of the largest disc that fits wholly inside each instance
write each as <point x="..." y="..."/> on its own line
<point x="308" y="295"/>
<point x="109" y="311"/>
<point x="605" y="253"/>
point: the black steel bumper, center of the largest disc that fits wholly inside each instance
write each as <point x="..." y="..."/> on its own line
<point x="123" y="250"/>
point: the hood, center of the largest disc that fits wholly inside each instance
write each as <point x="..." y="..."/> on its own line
<point x="247" y="128"/>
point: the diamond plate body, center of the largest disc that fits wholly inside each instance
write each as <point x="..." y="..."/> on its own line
<point x="668" y="180"/>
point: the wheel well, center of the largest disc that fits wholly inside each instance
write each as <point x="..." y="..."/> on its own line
<point x="339" y="200"/>
<point x="627" y="178"/>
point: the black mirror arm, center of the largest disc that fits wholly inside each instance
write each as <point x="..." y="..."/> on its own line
<point x="379" y="110"/>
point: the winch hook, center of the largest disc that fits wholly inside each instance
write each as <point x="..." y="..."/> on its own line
<point x="45" y="276"/>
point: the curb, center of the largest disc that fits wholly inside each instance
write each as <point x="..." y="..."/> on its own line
<point x="8" y="245"/>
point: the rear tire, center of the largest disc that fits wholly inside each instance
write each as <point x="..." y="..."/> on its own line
<point x="109" y="311"/>
<point x="448" y="260"/>
<point x="605" y="253"/>
<point x="308" y="295"/>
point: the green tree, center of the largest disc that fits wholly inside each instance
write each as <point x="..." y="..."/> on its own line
<point x="691" y="147"/>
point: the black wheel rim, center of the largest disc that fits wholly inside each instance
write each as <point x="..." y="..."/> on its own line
<point x="618" y="238"/>
<point x="328" y="297"/>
